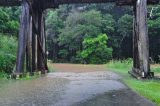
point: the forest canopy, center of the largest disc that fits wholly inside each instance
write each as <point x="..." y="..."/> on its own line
<point x="68" y="27"/>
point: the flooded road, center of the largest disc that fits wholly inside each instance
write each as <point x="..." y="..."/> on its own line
<point x="38" y="92"/>
<point x="92" y="88"/>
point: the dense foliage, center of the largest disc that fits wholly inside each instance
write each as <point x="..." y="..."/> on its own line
<point x="8" y="49"/>
<point x="9" y="21"/>
<point x="9" y="25"/>
<point x="95" y="50"/>
<point x="70" y="25"/>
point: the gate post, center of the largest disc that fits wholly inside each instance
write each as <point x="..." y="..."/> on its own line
<point x="29" y="47"/>
<point x="22" y="38"/>
<point x="141" y="66"/>
<point x="41" y="47"/>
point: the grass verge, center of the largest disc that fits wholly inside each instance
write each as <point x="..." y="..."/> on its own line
<point x="3" y="75"/>
<point x="51" y="67"/>
<point x="147" y="88"/>
<point x="26" y="76"/>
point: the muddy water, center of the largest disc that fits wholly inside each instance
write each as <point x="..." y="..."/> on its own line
<point x="68" y="89"/>
<point x="84" y="86"/>
<point x="38" y="92"/>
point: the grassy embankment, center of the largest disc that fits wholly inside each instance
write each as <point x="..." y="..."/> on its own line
<point x="147" y="88"/>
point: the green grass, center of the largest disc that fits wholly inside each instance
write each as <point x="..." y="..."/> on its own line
<point x="51" y="67"/>
<point x="3" y="75"/>
<point x="26" y="76"/>
<point x="147" y="88"/>
<point x="156" y="68"/>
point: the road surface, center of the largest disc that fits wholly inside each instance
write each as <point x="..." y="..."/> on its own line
<point x="71" y="85"/>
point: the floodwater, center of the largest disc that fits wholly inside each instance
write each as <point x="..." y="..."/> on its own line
<point x="70" y="89"/>
<point x="38" y="92"/>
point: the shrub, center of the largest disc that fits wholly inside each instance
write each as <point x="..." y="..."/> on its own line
<point x="8" y="47"/>
<point x="95" y="50"/>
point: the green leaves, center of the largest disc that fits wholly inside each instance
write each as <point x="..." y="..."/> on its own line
<point x="95" y="50"/>
<point x="108" y="24"/>
<point x="9" y="21"/>
<point x="154" y="26"/>
<point x="8" y="49"/>
<point x="53" y="25"/>
<point x="79" y="26"/>
<point x="125" y="25"/>
<point x="68" y="26"/>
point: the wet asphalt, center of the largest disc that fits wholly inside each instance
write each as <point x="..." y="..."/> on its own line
<point x="102" y="88"/>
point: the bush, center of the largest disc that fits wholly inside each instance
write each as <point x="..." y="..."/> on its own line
<point x="8" y="47"/>
<point x="95" y="50"/>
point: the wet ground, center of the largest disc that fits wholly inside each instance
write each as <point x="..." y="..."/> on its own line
<point x="71" y="85"/>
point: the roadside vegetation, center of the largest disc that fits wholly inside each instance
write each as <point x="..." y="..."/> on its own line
<point x="50" y="66"/>
<point x="147" y="88"/>
<point x="8" y="50"/>
<point x="9" y="25"/>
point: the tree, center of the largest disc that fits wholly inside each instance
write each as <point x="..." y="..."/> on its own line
<point x="4" y="18"/>
<point x="154" y="33"/>
<point x="9" y="22"/>
<point x="125" y="26"/>
<point x="108" y="24"/>
<point x="125" y="30"/>
<point x="53" y="26"/>
<point x="78" y="26"/>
